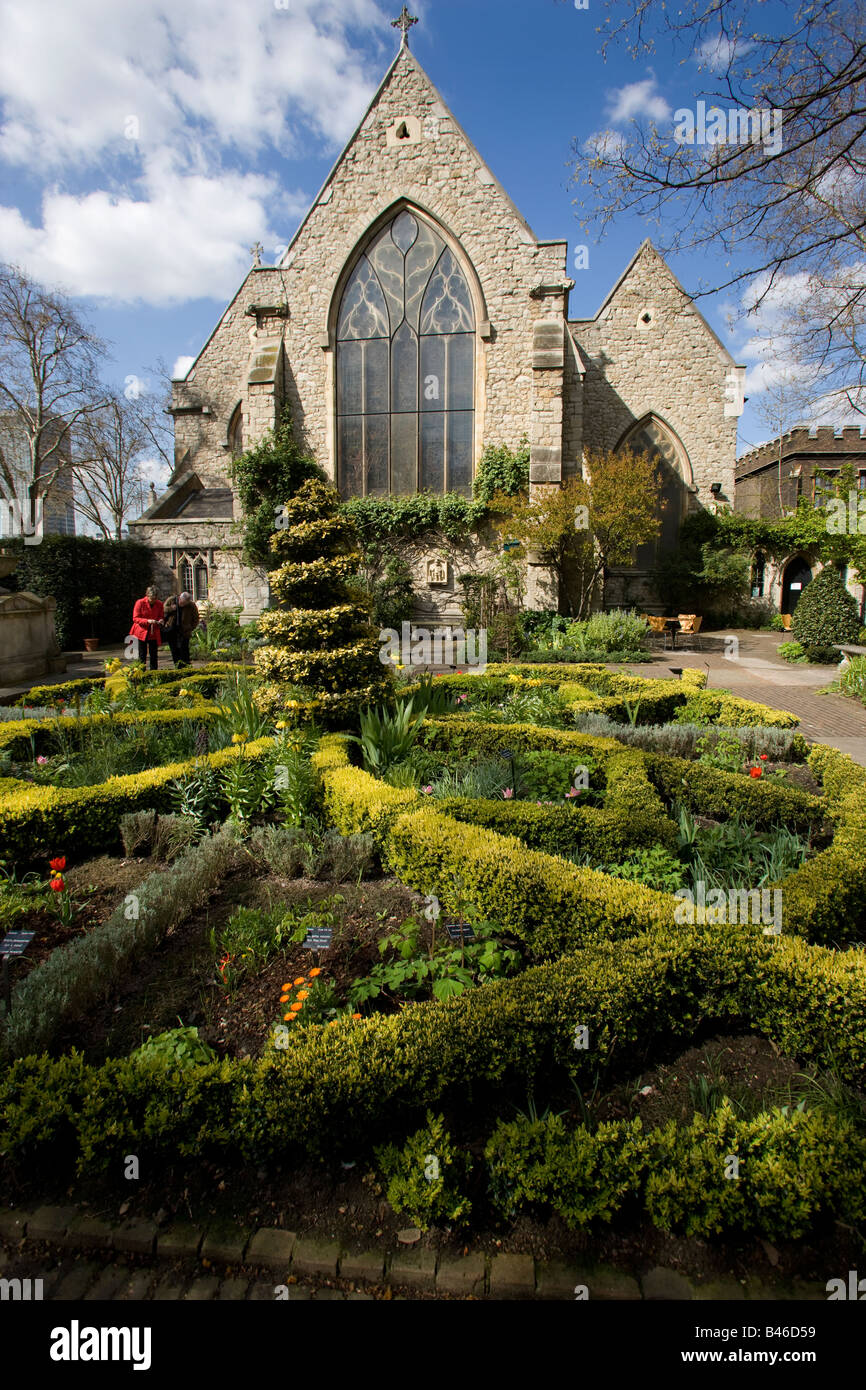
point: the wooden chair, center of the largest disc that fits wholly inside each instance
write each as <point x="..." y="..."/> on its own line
<point x="690" y="627"/>
<point x="656" y="627"/>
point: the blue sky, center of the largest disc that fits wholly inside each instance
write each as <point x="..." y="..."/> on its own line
<point x="145" y="144"/>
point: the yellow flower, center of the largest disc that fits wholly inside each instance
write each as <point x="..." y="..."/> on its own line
<point x="281" y="724"/>
<point x="183" y="692"/>
<point x="239" y="738"/>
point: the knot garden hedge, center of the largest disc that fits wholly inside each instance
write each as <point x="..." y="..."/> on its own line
<point x="602" y="954"/>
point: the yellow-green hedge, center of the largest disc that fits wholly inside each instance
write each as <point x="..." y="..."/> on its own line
<point x="825" y="900"/>
<point x="47" y="696"/>
<point x="19" y="731"/>
<point x="39" y="822"/>
<point x="548" y="903"/>
<point x="339" y="1089"/>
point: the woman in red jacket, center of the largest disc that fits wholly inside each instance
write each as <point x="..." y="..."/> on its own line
<point x="146" y="618"/>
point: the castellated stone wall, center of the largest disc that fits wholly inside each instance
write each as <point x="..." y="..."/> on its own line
<point x="673" y="366"/>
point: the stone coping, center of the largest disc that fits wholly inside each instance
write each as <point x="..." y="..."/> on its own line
<point x="287" y="1258"/>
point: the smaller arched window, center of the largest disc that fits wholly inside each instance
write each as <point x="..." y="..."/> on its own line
<point x="236" y="433"/>
<point x="199" y="581"/>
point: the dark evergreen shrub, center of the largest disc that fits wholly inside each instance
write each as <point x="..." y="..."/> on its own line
<point x="826" y="613"/>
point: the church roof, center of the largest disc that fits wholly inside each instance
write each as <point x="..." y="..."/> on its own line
<point x="405" y="56"/>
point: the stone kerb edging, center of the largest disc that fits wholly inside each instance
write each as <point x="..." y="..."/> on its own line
<point x="287" y="1258"/>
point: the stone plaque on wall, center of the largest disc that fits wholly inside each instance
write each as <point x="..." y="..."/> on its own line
<point x="437" y="572"/>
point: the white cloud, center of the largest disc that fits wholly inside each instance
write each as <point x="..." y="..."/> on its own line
<point x="153" y="118"/>
<point x="181" y="367"/>
<point x="185" y="238"/>
<point x="633" y="102"/>
<point x="718" y="53"/>
<point x="71" y="76"/>
<point x="636" y="100"/>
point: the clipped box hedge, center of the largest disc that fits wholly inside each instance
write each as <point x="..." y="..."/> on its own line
<point x="825" y="899"/>
<point x="15" y="736"/>
<point x="711" y="792"/>
<point x="66" y="691"/>
<point x="39" y="822"/>
<point x="340" y="1088"/>
<point x="796" y="1169"/>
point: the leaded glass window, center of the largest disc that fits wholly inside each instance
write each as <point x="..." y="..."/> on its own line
<point x="406" y="367"/>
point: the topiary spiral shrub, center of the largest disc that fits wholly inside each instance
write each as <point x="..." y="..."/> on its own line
<point x="320" y="635"/>
<point x="825" y="615"/>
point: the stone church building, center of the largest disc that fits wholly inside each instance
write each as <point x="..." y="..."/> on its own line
<point x="416" y="318"/>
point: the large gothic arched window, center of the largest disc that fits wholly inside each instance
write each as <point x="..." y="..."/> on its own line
<point x="405" y="367"/>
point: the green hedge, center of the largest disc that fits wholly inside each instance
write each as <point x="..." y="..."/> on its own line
<point x="551" y="905"/>
<point x="825" y="900"/>
<point x="341" y="1087"/>
<point x="712" y="792"/>
<point x="70" y="568"/>
<point x="795" y="1169"/>
<point x="15" y="735"/>
<point x="66" y="691"/>
<point x="559" y="830"/>
<point x="40" y="822"/>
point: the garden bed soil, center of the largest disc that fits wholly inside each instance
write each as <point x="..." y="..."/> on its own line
<point x="97" y="887"/>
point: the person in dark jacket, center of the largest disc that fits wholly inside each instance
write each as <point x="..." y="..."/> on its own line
<point x="147" y="616"/>
<point x="181" y="621"/>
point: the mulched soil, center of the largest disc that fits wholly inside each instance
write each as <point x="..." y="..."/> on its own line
<point x="97" y="887"/>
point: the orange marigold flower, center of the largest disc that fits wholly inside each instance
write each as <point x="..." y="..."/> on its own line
<point x="303" y="994"/>
<point x="287" y="1018"/>
<point x="284" y="998"/>
<point x="333" y="1023"/>
<point x="356" y="1015"/>
<point x="314" y="973"/>
<point x="296" y="1008"/>
<point x="300" y="980"/>
<point x="286" y="988"/>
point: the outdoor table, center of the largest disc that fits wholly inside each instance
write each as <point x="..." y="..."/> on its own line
<point x="673" y="624"/>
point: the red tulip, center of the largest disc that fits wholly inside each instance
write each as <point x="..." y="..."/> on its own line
<point x="57" y="885"/>
<point x="56" y="865"/>
<point x="755" y="772"/>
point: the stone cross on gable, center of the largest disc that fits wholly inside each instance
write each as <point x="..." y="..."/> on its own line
<point x="405" y="22"/>
<point x="256" y="253"/>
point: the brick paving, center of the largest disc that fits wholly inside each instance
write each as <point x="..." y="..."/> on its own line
<point x="285" y="1273"/>
<point x="758" y="673"/>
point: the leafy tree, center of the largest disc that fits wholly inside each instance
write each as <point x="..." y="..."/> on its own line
<point x="585" y="526"/>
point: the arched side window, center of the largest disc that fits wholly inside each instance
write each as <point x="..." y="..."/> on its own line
<point x="651" y="436"/>
<point x="405" y="367"/>
<point x="236" y="433"/>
